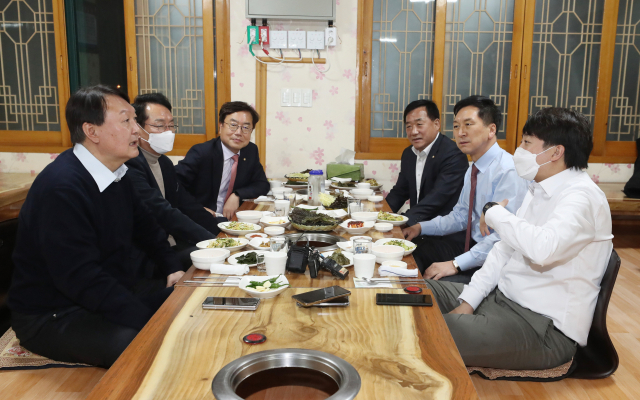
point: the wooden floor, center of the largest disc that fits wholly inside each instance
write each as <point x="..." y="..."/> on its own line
<point x="623" y="323"/>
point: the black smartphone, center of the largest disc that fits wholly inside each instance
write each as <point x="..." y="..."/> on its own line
<point x="339" y="302"/>
<point x="388" y="299"/>
<point x="320" y="295"/>
<point x="231" y="303"/>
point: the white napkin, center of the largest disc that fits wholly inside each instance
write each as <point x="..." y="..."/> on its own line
<point x="393" y="271"/>
<point x="263" y="199"/>
<point x="333" y="213"/>
<point x="360" y="283"/>
<point x="227" y="269"/>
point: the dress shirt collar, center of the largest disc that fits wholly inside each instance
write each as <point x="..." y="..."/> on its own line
<point x="99" y="172"/>
<point x="557" y="181"/>
<point x="487" y="158"/>
<point x="226" y="153"/>
<point x="426" y="150"/>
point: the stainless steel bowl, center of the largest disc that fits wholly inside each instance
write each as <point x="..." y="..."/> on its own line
<point x="228" y="379"/>
<point x="330" y="239"/>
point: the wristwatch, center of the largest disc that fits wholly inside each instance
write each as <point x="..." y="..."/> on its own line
<point x="488" y="206"/>
<point x="455" y="264"/>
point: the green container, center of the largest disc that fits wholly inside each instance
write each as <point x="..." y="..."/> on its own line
<point x="355" y="172"/>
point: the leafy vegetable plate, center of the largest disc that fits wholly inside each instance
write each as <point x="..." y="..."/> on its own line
<point x="344" y="253"/>
<point x="224" y="227"/>
<point x="394" y="223"/>
<point x="407" y="244"/>
<point x="233" y="260"/>
<point x="279" y="280"/>
<point x="206" y="243"/>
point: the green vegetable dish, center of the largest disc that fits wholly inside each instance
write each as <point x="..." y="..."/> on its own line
<point x="223" y="242"/>
<point x="385" y="216"/>
<point x="400" y="243"/>
<point x="265" y="286"/>
<point x="240" y="226"/>
<point x="249" y="258"/>
<point x="340" y="258"/>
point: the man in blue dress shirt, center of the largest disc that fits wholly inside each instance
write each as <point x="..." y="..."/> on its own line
<point x="453" y="247"/>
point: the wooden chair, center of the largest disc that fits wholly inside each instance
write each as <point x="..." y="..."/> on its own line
<point x="599" y="359"/>
<point x="8" y="231"/>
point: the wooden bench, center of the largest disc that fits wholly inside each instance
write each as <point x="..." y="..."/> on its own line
<point x="622" y="207"/>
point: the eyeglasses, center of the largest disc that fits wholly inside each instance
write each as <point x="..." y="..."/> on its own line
<point x="246" y="129"/>
<point x="164" y="128"/>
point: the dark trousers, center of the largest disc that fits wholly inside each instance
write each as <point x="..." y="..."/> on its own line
<point x="433" y="249"/>
<point x="78" y="335"/>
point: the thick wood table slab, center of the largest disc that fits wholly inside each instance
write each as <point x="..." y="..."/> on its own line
<point x="13" y="191"/>
<point x="399" y="352"/>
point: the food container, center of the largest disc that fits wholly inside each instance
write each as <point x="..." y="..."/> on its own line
<point x="394" y="263"/>
<point x="205" y="244"/>
<point x="376" y="198"/>
<point x="263" y="295"/>
<point x="363" y="185"/>
<point x="202" y="259"/>
<point x="364" y="216"/>
<point x="274" y="230"/>
<point x="361" y="194"/>
<point x="273" y="221"/>
<point x="384" y="253"/>
<point x="249" y="216"/>
<point x="383" y="226"/>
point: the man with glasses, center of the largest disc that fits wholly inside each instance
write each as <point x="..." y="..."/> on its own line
<point x="223" y="171"/>
<point x="154" y="178"/>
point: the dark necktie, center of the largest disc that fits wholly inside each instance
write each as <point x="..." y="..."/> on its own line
<point x="472" y="197"/>
<point x="232" y="179"/>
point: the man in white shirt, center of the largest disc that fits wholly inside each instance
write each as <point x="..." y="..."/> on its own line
<point x="535" y="295"/>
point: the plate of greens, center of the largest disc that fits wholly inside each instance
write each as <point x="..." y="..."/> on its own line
<point x="239" y="228"/>
<point x="264" y="287"/>
<point x="230" y="244"/>
<point x="344" y="258"/>
<point x="393" y="219"/>
<point x="244" y="257"/>
<point x="407" y="245"/>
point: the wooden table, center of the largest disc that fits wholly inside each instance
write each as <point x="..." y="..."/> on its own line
<point x="399" y="352"/>
<point x="622" y="207"/>
<point x="13" y="191"/>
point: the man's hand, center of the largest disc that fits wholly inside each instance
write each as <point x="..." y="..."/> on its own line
<point x="412" y="231"/>
<point x="230" y="207"/>
<point x="174" y="278"/>
<point x="440" y="270"/>
<point x="210" y="211"/>
<point x="484" y="228"/>
<point x="464" y="308"/>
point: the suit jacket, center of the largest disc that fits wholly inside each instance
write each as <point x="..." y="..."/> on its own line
<point x="442" y="181"/>
<point x="200" y="172"/>
<point x="178" y="213"/>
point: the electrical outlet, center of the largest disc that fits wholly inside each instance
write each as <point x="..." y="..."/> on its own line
<point x="285" y="97"/>
<point x="307" y="97"/>
<point x="296" y="97"/>
<point x="278" y="40"/>
<point x="315" y="40"/>
<point x="264" y="34"/>
<point x="330" y="36"/>
<point x="297" y="40"/>
<point x="252" y="35"/>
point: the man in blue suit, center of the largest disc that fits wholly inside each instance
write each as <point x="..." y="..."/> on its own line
<point x="223" y="171"/>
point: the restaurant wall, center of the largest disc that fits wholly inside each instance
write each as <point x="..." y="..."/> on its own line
<point x="300" y="138"/>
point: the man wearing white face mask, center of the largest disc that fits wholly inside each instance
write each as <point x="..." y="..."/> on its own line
<point x="155" y="181"/>
<point x="533" y="299"/>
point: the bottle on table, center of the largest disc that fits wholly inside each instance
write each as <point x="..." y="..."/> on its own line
<point x="315" y="181"/>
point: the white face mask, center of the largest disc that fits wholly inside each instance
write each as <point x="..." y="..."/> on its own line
<point x="526" y="164"/>
<point x="160" y="142"/>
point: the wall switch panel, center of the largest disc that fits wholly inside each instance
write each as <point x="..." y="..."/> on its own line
<point x="307" y="97"/>
<point x="330" y="36"/>
<point x="297" y="39"/>
<point x="264" y="34"/>
<point x="278" y="40"/>
<point x="285" y="97"/>
<point x="252" y="35"/>
<point x="296" y="97"/>
<point x="315" y="40"/>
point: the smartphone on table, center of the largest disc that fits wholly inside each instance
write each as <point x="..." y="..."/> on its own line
<point x="339" y="302"/>
<point x="320" y="296"/>
<point x="391" y="299"/>
<point x="231" y="303"/>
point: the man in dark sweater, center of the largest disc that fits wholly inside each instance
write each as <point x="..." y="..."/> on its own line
<point x="77" y="295"/>
<point x="155" y="181"/>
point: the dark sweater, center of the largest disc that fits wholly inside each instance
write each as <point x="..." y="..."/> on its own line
<point x="74" y="246"/>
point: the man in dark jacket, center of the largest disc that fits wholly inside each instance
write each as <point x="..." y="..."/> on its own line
<point x="431" y="169"/>
<point x="77" y="294"/>
<point x="223" y="171"/>
<point x="154" y="178"/>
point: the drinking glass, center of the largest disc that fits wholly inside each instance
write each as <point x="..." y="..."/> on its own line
<point x="362" y="245"/>
<point x="260" y="262"/>
<point x="354" y="205"/>
<point x="281" y="208"/>
<point x="276" y="243"/>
